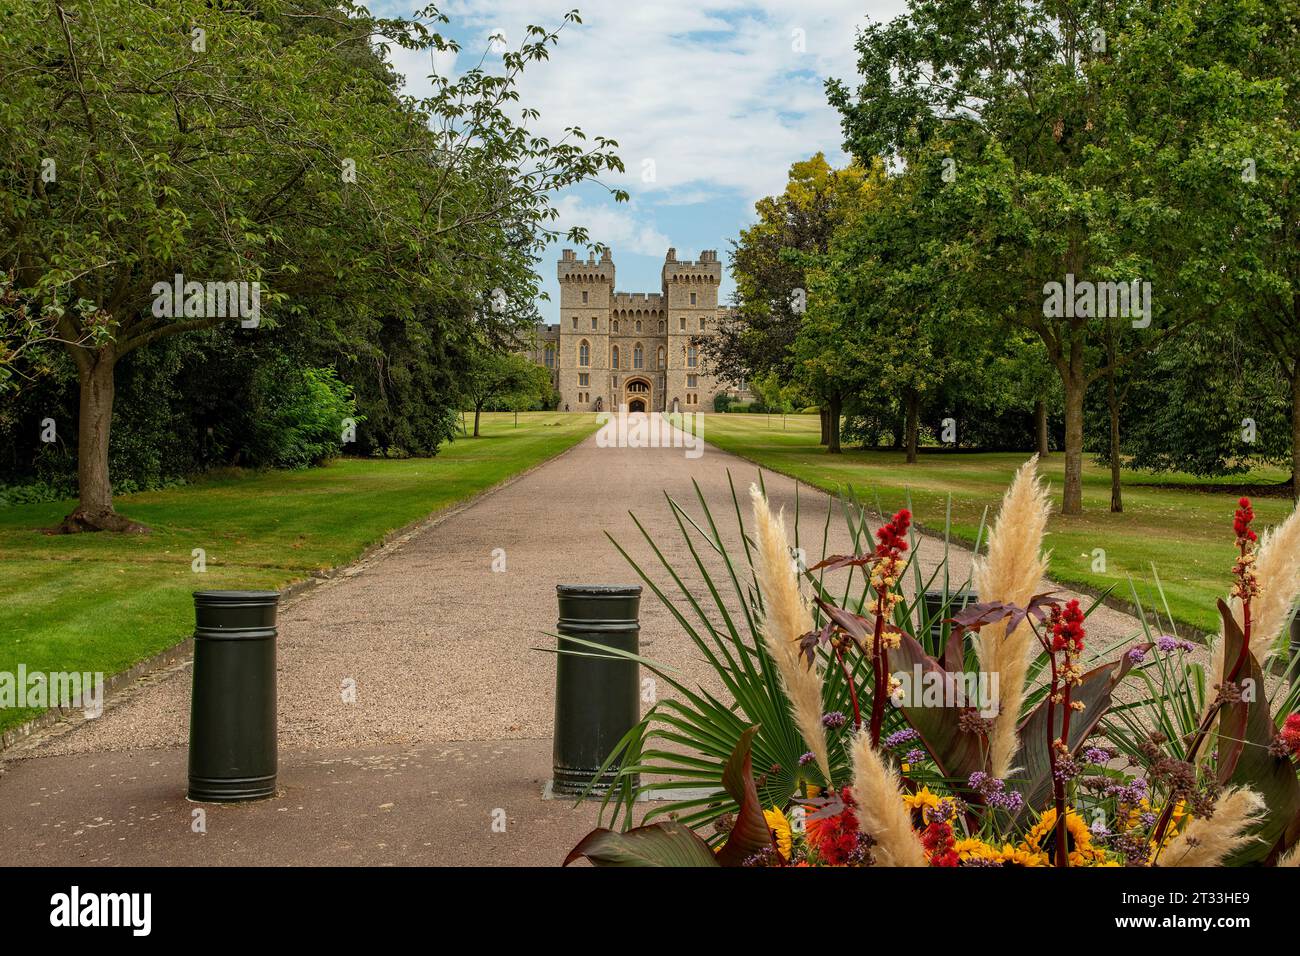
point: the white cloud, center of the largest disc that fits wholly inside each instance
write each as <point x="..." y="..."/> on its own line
<point x="713" y="91"/>
<point x="620" y="227"/>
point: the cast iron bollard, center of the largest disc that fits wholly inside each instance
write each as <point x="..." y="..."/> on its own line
<point x="595" y="699"/>
<point x="934" y="609"/>
<point x="232" y="705"/>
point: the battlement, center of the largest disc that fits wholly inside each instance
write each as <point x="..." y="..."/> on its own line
<point x="706" y="269"/>
<point x="572" y="269"/>
<point x="648" y="300"/>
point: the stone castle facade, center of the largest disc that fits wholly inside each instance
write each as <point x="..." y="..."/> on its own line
<point x="634" y="349"/>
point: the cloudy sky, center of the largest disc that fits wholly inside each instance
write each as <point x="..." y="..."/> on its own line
<point x="710" y="102"/>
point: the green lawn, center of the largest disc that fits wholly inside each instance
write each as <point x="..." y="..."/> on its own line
<point x="1185" y="533"/>
<point x="98" y="602"/>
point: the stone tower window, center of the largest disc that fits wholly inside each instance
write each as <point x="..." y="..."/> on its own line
<point x="638" y="325"/>
<point x="613" y="361"/>
<point x="616" y="325"/>
<point x="692" y="298"/>
<point x="661" y="356"/>
<point x="584" y="353"/>
<point x="663" y="326"/>
<point x="692" y="357"/>
<point x="682" y="323"/>
<point x="584" y="379"/>
<point x="594" y="323"/>
<point x="550" y="356"/>
<point x="575" y="322"/>
<point x="638" y="357"/>
<point x="584" y="298"/>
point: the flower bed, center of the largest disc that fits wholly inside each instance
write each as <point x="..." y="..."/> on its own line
<point x="865" y="730"/>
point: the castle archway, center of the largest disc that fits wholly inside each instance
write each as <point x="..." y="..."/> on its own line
<point x="637" y="394"/>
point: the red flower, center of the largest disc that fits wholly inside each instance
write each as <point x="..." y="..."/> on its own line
<point x="1067" y="626"/>
<point x="1241" y="520"/>
<point x="834" y="838"/>
<point x="893" y="535"/>
<point x="1291" y="735"/>
<point x="939" y="845"/>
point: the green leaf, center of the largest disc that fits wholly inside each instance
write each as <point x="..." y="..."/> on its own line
<point x="658" y="844"/>
<point x="1033" y="757"/>
<point x="751" y="833"/>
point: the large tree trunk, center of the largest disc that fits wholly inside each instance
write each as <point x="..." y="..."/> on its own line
<point x="825" y="414"/>
<point x="913" y="426"/>
<point x="94" y="511"/>
<point x="833" y="424"/>
<point x="1295" y="433"/>
<point x="1040" y="427"/>
<point x="1112" y="398"/>
<point x="478" y="409"/>
<point x="1072" y="498"/>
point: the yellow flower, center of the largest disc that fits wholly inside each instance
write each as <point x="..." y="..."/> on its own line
<point x="974" y="849"/>
<point x="1019" y="856"/>
<point x="780" y="826"/>
<point x="921" y="800"/>
<point x="1079" y="834"/>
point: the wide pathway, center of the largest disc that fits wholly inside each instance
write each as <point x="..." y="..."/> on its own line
<point x="448" y="731"/>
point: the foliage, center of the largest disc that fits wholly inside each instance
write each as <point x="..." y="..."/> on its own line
<point x="1098" y="782"/>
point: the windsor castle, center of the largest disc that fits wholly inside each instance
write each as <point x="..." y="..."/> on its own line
<point x="633" y="349"/>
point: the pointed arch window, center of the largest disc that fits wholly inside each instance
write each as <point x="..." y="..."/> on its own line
<point x="584" y="353"/>
<point x="613" y="359"/>
<point x="661" y="357"/>
<point x="638" y="356"/>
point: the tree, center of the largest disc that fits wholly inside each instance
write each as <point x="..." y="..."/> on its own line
<point x="768" y="262"/>
<point x="504" y="378"/>
<point x="265" y="158"/>
<point x="1081" y="149"/>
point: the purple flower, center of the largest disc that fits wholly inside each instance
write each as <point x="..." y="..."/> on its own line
<point x="1137" y="654"/>
<point x="1166" y="643"/>
<point x="806" y="759"/>
<point x="900" y="737"/>
<point x="914" y="756"/>
<point x="834" y="720"/>
<point x="977" y="779"/>
<point x="1096" y="755"/>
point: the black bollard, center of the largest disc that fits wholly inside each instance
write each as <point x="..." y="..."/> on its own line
<point x="936" y="614"/>
<point x="595" y="698"/>
<point x="232" y="705"/>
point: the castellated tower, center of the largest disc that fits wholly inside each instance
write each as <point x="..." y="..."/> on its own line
<point x="586" y="289"/>
<point x="632" y="349"/>
<point x="691" y="300"/>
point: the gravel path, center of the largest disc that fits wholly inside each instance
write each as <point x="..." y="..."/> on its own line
<point x="441" y="647"/>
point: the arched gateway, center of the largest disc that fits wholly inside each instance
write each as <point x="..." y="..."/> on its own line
<point x="638" y="394"/>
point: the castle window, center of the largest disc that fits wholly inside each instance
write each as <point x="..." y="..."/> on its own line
<point x="661" y="357"/>
<point x="584" y="298"/>
<point x="584" y="353"/>
<point x="616" y="325"/>
<point x="682" y="323"/>
<point x="550" y="356"/>
<point x="692" y="298"/>
<point x="575" y="321"/>
<point x="692" y="356"/>
<point x="638" y="357"/>
<point x="638" y="325"/>
<point x="584" y="379"/>
<point x="613" y="357"/>
<point x="594" y="324"/>
<point x="692" y="381"/>
<point x="663" y="326"/>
